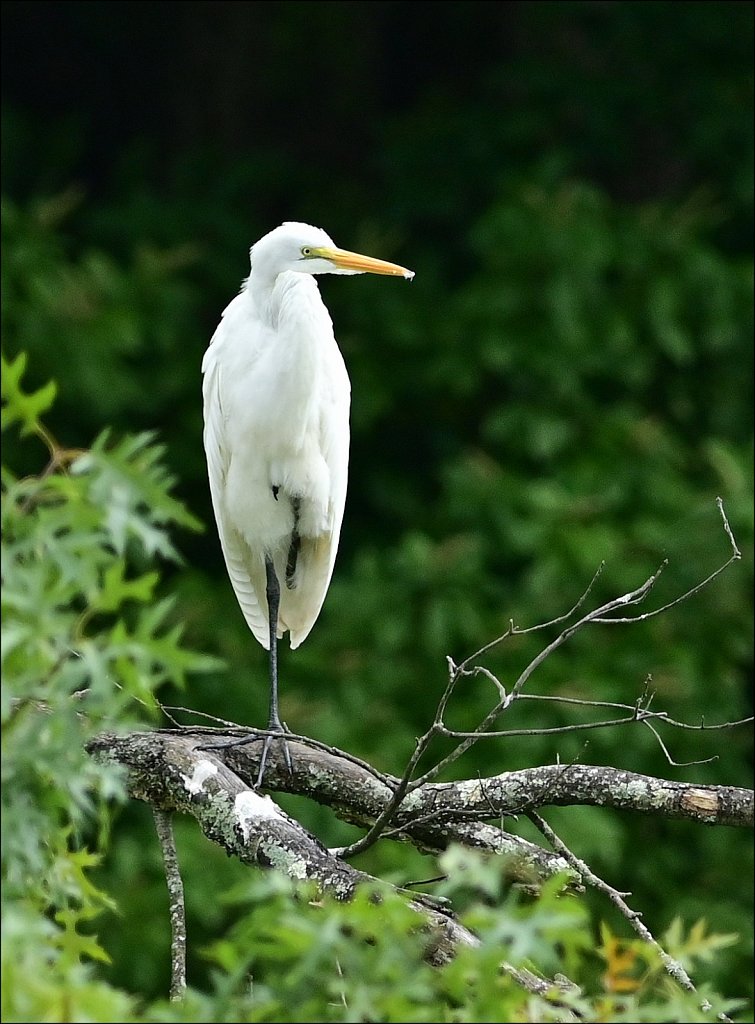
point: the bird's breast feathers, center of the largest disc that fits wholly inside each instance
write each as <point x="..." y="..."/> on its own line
<point x="284" y="395"/>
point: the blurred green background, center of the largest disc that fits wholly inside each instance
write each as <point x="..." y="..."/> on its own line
<point x="568" y="379"/>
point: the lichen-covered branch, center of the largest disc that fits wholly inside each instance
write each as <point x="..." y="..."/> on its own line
<point x="431" y="817"/>
<point x="167" y="771"/>
<point x="184" y="770"/>
<point x="594" y="785"/>
<point x="437" y="814"/>
<point x="176" y="904"/>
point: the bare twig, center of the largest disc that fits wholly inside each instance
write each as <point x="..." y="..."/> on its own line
<point x="407" y="783"/>
<point x="168" y="709"/>
<point x="386" y="816"/>
<point x="633" y="597"/>
<point x="669" y="758"/>
<point x="672" y="966"/>
<point x="602" y="614"/>
<point x="638" y="716"/>
<point x="667" y="720"/>
<point x="735" y="556"/>
<point x="516" y="631"/>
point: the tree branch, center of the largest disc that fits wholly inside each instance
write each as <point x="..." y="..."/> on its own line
<point x="177" y="907"/>
<point x="166" y="771"/>
<point x="672" y="966"/>
<point x="432" y="815"/>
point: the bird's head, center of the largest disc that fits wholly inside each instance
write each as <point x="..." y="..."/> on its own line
<point x="309" y="250"/>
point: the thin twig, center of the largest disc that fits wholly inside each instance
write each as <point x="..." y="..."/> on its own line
<point x="167" y="710"/>
<point x="598" y="615"/>
<point x="669" y="758"/>
<point x="516" y="631"/>
<point x="673" y="967"/>
<point x="735" y="556"/>
<point x="633" y="597"/>
<point x="382" y="820"/>
<point x="639" y="716"/>
<point x="703" y="727"/>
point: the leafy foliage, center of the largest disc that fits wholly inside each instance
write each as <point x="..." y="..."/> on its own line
<point x="85" y="644"/>
<point x="324" y="960"/>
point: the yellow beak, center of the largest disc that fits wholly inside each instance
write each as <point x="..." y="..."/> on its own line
<point x="362" y="264"/>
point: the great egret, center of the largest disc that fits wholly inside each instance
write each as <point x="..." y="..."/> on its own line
<point x="276" y="435"/>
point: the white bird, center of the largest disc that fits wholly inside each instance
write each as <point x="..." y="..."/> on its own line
<point x="276" y="436"/>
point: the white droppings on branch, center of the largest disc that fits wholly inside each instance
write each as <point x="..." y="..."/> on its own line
<point x="250" y="805"/>
<point x="202" y="771"/>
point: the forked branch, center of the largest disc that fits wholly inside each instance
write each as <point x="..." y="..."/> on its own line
<point x="601" y="614"/>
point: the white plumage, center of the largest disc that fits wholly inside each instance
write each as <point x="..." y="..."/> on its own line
<point x="276" y="413"/>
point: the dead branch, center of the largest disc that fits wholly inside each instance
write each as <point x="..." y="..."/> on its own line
<point x="177" y="906"/>
<point x="166" y="771"/>
<point x="673" y="967"/>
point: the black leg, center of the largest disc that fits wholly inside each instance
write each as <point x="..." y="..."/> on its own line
<point x="274" y="723"/>
<point x="273" y="592"/>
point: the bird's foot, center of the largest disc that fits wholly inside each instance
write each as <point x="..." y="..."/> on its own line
<point x="276" y="732"/>
<point x="280" y="737"/>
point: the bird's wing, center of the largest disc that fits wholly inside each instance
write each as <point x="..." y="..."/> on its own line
<point x="335" y="448"/>
<point x="218" y="459"/>
<point x="301" y="606"/>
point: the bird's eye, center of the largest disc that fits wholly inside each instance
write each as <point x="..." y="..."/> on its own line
<point x="306" y="251"/>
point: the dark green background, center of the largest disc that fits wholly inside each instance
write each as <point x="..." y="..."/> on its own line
<point x="567" y="380"/>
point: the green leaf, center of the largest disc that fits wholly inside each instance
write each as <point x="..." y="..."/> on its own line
<point x="20" y="406"/>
